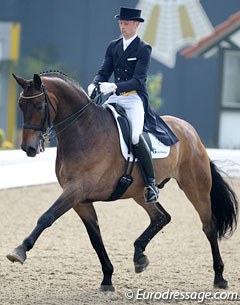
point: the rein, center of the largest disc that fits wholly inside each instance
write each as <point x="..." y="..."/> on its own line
<point x="47" y="126"/>
<point x="70" y="119"/>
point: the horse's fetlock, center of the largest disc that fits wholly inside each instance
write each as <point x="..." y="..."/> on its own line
<point x="218" y="268"/>
<point x="27" y="244"/>
<point x="108" y="270"/>
<point x="138" y="246"/>
<point x="138" y="254"/>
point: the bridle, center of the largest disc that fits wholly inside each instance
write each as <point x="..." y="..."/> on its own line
<point x="47" y="127"/>
<point x="46" y="122"/>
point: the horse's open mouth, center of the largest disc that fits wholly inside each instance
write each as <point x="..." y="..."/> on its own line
<point x="33" y="151"/>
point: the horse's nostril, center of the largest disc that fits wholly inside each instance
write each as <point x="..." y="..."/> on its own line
<point x="30" y="151"/>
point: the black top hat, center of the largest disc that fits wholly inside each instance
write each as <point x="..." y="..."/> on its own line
<point x="129" y="14"/>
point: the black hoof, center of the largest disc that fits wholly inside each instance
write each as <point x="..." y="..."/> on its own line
<point x="221" y="284"/>
<point x="105" y="288"/>
<point x="17" y="255"/>
<point x="141" y="264"/>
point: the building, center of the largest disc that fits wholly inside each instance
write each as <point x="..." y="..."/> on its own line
<point x="224" y="43"/>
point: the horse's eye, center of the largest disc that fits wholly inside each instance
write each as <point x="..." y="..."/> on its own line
<point x="39" y="107"/>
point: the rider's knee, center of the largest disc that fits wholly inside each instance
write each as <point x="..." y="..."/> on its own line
<point x="135" y="138"/>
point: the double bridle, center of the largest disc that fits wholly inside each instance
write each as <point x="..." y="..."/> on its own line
<point x="46" y="122"/>
<point x="47" y="126"/>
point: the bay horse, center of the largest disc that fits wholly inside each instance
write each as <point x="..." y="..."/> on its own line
<point x="89" y="163"/>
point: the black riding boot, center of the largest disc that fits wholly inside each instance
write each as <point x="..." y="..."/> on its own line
<point x="144" y="156"/>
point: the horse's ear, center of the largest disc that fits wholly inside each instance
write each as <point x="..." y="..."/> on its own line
<point x="37" y="81"/>
<point x="21" y="81"/>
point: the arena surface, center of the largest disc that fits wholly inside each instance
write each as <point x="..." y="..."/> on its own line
<point x="63" y="269"/>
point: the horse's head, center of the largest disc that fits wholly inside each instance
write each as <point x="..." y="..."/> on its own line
<point x="34" y="104"/>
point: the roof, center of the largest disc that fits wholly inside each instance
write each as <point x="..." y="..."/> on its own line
<point x="221" y="32"/>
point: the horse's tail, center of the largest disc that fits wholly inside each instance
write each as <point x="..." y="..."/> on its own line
<point x="224" y="204"/>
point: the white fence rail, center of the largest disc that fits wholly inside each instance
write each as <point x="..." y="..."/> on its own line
<point x="17" y="170"/>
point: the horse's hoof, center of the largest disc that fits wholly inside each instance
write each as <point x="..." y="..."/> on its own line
<point x="105" y="288"/>
<point x="141" y="264"/>
<point x="17" y="255"/>
<point x="221" y="284"/>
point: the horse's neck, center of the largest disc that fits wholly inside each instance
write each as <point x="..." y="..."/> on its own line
<point x="69" y="103"/>
<point x="87" y="130"/>
<point x="94" y="127"/>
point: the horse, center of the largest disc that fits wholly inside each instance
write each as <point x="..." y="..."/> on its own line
<point x="89" y="163"/>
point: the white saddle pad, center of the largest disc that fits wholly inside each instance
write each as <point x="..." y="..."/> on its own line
<point x="159" y="150"/>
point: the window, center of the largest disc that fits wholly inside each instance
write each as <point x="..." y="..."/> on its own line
<point x="231" y="73"/>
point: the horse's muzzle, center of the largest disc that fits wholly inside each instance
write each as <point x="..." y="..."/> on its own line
<point x="30" y="151"/>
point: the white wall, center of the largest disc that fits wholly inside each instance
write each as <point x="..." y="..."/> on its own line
<point x="16" y="169"/>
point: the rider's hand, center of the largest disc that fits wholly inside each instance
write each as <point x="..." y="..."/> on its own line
<point x="107" y="88"/>
<point x="90" y="89"/>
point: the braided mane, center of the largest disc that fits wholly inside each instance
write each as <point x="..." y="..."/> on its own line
<point x="53" y="73"/>
<point x="63" y="76"/>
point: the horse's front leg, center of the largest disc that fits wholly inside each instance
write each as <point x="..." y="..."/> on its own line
<point x="64" y="203"/>
<point x="89" y="217"/>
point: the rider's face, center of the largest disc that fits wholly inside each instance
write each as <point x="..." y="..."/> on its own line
<point x="128" y="28"/>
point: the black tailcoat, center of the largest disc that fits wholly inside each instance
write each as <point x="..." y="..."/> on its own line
<point x="130" y="69"/>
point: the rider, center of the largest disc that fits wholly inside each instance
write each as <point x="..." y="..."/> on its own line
<point x="129" y="58"/>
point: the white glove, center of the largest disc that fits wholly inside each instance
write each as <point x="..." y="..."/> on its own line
<point x="90" y="89"/>
<point x="106" y="88"/>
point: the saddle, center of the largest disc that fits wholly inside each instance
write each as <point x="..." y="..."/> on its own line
<point x="157" y="149"/>
<point x="123" y="123"/>
<point x="126" y="128"/>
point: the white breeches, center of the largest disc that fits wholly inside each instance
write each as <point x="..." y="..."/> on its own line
<point x="135" y="112"/>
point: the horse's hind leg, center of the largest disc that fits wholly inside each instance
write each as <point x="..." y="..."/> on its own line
<point x="210" y="230"/>
<point x="197" y="188"/>
<point x="89" y="217"/>
<point x="159" y="218"/>
<point x="218" y="266"/>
